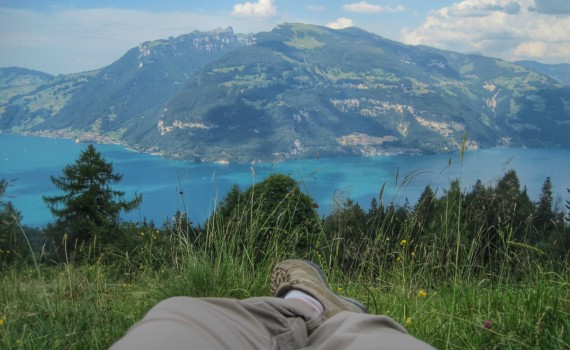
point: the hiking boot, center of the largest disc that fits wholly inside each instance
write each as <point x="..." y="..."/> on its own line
<point x="307" y="277"/>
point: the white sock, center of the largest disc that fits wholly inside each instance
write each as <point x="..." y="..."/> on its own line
<point x="297" y="294"/>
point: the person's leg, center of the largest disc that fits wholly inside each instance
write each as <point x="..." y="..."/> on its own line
<point x="350" y="330"/>
<point x="346" y="322"/>
<point x="216" y="323"/>
<point x="308" y="277"/>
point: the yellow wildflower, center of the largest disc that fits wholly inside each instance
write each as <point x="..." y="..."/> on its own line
<point x="422" y="293"/>
<point x="403" y="242"/>
<point x="409" y="321"/>
<point x="339" y="289"/>
<point x="398" y="258"/>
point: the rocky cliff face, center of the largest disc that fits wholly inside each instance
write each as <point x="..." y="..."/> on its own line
<point x="218" y="41"/>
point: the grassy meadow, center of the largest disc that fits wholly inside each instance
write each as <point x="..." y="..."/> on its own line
<point x="441" y="286"/>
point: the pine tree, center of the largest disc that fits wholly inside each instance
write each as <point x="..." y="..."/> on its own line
<point x="507" y="217"/>
<point x="424" y="213"/>
<point x="568" y="206"/>
<point x="88" y="207"/>
<point x="11" y="243"/>
<point x="513" y="208"/>
<point x="274" y="209"/>
<point x="346" y="226"/>
<point x="230" y="204"/>
<point x="279" y="201"/>
<point x="478" y="202"/>
<point x="544" y="218"/>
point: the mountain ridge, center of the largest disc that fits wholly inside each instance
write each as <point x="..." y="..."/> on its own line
<point x="559" y="72"/>
<point x="299" y="91"/>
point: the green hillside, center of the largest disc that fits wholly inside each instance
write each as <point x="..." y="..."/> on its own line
<point x="119" y="96"/>
<point x="559" y="72"/>
<point x="304" y="90"/>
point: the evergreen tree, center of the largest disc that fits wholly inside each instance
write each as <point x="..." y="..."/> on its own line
<point x="507" y="194"/>
<point x="478" y="202"/>
<point x="375" y="217"/>
<point x="544" y="217"/>
<point x="88" y="207"/>
<point x="424" y="209"/>
<point x="350" y="218"/>
<point x="450" y="203"/>
<point x="181" y="225"/>
<point x="524" y="216"/>
<point x="280" y="203"/>
<point x="346" y="227"/>
<point x="11" y="243"/>
<point x="568" y="206"/>
<point x="231" y="202"/>
<point x="513" y="207"/>
<point x="509" y="217"/>
<point x="274" y="210"/>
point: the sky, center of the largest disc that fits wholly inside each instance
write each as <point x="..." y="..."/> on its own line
<point x="71" y="36"/>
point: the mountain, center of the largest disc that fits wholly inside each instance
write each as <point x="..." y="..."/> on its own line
<point x="305" y="90"/>
<point x="30" y="98"/>
<point x="105" y="104"/>
<point x="16" y="81"/>
<point x="559" y="72"/>
<point x="297" y="91"/>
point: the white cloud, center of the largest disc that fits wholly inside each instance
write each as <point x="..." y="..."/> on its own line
<point x="261" y="8"/>
<point x="479" y="8"/>
<point x="341" y="23"/>
<point x="537" y="50"/>
<point x="531" y="49"/>
<point x="506" y="29"/>
<point x="364" y="6"/>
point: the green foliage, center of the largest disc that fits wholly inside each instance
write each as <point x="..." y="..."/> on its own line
<point x="456" y="270"/>
<point x="346" y="224"/>
<point x="274" y="211"/>
<point x="12" y="245"/>
<point x="568" y="207"/>
<point x="89" y="208"/>
<point x="560" y="72"/>
<point x="544" y="217"/>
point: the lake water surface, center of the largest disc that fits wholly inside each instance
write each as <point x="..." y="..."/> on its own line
<point x="169" y="185"/>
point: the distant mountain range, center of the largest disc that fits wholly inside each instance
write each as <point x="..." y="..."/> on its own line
<point x="559" y="72"/>
<point x="297" y="91"/>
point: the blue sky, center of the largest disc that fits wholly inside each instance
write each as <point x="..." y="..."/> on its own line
<point x="69" y="36"/>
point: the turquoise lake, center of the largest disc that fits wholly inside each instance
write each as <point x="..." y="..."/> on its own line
<point x="168" y="185"/>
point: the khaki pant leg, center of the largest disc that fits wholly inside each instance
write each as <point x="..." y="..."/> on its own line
<point x="349" y="330"/>
<point x="218" y="323"/>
